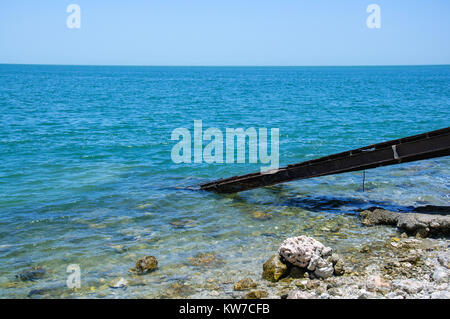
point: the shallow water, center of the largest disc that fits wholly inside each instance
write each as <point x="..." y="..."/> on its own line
<point x="86" y="176"/>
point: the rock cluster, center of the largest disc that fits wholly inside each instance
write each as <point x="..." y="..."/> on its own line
<point x="396" y="269"/>
<point x="302" y="256"/>
<point x="311" y="255"/>
<point x="303" y="251"/>
<point x="423" y="225"/>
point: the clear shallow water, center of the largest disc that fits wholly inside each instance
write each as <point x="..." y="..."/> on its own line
<point x="86" y="175"/>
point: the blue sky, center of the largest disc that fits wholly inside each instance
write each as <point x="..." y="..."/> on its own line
<point x="226" y="32"/>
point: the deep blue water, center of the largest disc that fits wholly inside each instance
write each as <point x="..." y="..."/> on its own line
<point x="85" y="163"/>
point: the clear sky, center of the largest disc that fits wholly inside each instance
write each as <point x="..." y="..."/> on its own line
<point x="225" y="32"/>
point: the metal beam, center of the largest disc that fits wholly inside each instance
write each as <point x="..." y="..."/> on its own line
<point x="408" y="149"/>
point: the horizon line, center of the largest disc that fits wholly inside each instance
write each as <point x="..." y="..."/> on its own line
<point x="225" y="65"/>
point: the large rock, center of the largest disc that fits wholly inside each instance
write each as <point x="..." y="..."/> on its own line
<point x="300" y="250"/>
<point x="309" y="253"/>
<point x="274" y="269"/>
<point x="412" y="223"/>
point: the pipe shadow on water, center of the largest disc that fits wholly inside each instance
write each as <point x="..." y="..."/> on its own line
<point x="282" y="197"/>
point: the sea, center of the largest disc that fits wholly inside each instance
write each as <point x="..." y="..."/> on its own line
<point x="87" y="177"/>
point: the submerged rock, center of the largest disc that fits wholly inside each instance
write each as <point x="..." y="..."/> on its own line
<point x="32" y="274"/>
<point x="183" y="223"/>
<point x="12" y="284"/>
<point x="119" y="283"/>
<point x="274" y="269"/>
<point x="178" y="289"/>
<point x="145" y="265"/>
<point x="245" y="284"/>
<point x="261" y="216"/>
<point x="53" y="291"/>
<point x="205" y="260"/>
<point x="256" y="294"/>
<point x="39" y="292"/>
<point x="136" y="281"/>
<point x="119" y="248"/>
<point x="421" y="225"/>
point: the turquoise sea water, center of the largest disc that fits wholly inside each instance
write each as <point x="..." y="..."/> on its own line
<point x="86" y="175"/>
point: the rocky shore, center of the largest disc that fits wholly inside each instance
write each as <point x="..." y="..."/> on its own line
<point x="399" y="268"/>
<point x="412" y="262"/>
<point x="402" y="267"/>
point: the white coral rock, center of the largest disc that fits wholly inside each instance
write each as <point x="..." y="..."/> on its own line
<point x="306" y="252"/>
